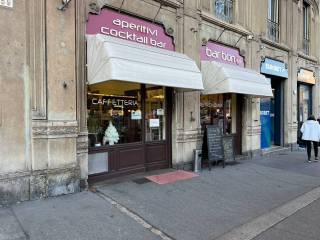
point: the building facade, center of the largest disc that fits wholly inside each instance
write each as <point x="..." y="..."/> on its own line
<point x="62" y="129"/>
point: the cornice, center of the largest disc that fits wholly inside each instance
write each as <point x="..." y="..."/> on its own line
<point x="232" y="27"/>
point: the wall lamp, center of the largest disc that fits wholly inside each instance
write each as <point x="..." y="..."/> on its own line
<point x="64" y="5"/>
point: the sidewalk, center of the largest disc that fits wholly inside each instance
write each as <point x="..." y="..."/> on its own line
<point x="206" y="207"/>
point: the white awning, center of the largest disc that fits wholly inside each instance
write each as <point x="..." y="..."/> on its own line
<point x="224" y="78"/>
<point x="116" y="59"/>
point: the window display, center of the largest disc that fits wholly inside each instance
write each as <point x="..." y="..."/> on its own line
<point x="211" y="110"/>
<point x="219" y="109"/>
<point x="114" y="113"/>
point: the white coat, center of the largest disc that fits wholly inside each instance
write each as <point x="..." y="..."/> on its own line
<point x="310" y="131"/>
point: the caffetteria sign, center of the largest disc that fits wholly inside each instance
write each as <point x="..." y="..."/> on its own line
<point x="119" y="25"/>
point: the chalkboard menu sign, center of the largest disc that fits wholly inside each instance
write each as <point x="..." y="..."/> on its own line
<point x="214" y="144"/>
<point x="228" y="148"/>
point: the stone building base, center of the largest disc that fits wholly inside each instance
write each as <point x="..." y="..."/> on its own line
<point x="39" y="184"/>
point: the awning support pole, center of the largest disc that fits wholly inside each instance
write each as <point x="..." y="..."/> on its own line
<point x="221" y="34"/>
<point x="120" y="8"/>
<point x="157" y="12"/>
<point x="238" y="40"/>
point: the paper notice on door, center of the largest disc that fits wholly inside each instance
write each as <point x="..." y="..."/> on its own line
<point x="154" y="122"/>
<point x="136" y="115"/>
<point x="160" y="112"/>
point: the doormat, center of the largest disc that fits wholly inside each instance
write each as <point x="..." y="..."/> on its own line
<point x="232" y="163"/>
<point x="172" y="177"/>
<point x="141" y="180"/>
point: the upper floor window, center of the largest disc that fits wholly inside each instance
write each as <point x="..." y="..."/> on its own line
<point x="223" y="10"/>
<point x="273" y="20"/>
<point x="306" y="27"/>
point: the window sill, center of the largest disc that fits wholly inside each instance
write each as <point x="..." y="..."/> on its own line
<point x="171" y="3"/>
<point x="116" y="145"/>
<point x="306" y="56"/>
<point x="275" y="44"/>
<point x="229" y="26"/>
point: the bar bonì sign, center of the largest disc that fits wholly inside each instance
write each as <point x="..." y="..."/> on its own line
<point x="119" y="25"/>
<point x="221" y="53"/>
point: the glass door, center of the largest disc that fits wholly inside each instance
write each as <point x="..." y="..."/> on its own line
<point x="304" y="106"/>
<point x="155" y="114"/>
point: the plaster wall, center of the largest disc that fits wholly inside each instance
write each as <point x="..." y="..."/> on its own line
<point x="14" y="118"/>
<point x="38" y="125"/>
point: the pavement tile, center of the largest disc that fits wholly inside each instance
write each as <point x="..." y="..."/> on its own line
<point x="9" y="226"/>
<point x="79" y="216"/>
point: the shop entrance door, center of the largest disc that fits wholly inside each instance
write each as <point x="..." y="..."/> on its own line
<point x="265" y="118"/>
<point x="272" y="119"/>
<point x="304" y="107"/>
<point x="271" y="113"/>
<point x="156" y="127"/>
<point x="129" y="129"/>
<point x="276" y="111"/>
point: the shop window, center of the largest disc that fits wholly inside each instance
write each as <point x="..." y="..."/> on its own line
<point x="219" y="109"/>
<point x="155" y="113"/>
<point x="306" y="27"/>
<point x="114" y="113"/>
<point x="273" y="20"/>
<point x="223" y="9"/>
<point x="304" y="102"/>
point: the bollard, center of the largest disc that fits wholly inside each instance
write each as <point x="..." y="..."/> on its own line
<point x="197" y="160"/>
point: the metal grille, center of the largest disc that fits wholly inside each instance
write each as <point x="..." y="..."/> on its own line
<point x="6" y="3"/>
<point x="224" y="10"/>
<point x="273" y="31"/>
<point x="306" y="45"/>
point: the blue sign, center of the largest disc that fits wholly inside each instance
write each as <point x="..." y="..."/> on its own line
<point x="273" y="67"/>
<point x="265" y="108"/>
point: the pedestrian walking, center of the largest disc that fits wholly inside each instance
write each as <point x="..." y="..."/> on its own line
<point x="311" y="135"/>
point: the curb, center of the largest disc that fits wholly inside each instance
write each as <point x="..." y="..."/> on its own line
<point x="255" y="227"/>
